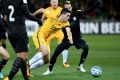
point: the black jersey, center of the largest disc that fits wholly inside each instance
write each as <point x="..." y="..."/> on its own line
<point x="74" y="21"/>
<point x="13" y="9"/>
<point x="16" y="11"/>
<point x="74" y="25"/>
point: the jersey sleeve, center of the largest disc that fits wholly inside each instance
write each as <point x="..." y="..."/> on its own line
<point x="26" y="12"/>
<point x="67" y="24"/>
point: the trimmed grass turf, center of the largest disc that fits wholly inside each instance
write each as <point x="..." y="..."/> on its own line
<point x="104" y="51"/>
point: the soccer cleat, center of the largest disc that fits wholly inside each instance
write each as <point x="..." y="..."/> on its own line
<point x="1" y="75"/>
<point x="48" y="72"/>
<point x="29" y="74"/>
<point x="66" y="65"/>
<point x="6" y="78"/>
<point x="80" y="68"/>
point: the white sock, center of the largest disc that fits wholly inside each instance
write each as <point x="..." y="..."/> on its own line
<point x="37" y="64"/>
<point x="35" y="58"/>
<point x="65" y="55"/>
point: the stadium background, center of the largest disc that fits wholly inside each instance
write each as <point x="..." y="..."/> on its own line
<point x="104" y="49"/>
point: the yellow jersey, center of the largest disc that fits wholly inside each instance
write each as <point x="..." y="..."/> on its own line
<point x="52" y="24"/>
<point x="55" y="12"/>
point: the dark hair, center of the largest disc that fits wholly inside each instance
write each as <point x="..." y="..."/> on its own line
<point x="65" y="10"/>
<point x="67" y="2"/>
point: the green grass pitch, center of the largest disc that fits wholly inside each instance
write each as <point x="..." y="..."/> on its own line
<point x="104" y="51"/>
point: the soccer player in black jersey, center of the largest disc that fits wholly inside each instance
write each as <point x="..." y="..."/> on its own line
<point x="3" y="52"/>
<point x="16" y="11"/>
<point x="78" y="41"/>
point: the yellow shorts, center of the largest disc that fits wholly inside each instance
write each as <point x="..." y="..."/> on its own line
<point x="39" y="40"/>
<point x="57" y="35"/>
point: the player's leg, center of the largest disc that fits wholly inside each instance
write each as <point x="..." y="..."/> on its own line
<point x="59" y="36"/>
<point x="43" y="51"/>
<point x="83" y="57"/>
<point x="58" y="50"/>
<point x="40" y="62"/>
<point x="38" y="55"/>
<point x="37" y="64"/>
<point x="84" y="46"/>
<point x="3" y="62"/>
<point x="44" y="60"/>
<point x="35" y="58"/>
<point x="65" y="57"/>
<point x="21" y="48"/>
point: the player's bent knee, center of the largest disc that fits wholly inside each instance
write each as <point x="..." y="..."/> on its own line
<point x="22" y="55"/>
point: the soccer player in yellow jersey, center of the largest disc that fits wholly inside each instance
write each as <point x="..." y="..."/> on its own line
<point x="35" y="62"/>
<point x="53" y="24"/>
<point x="54" y="8"/>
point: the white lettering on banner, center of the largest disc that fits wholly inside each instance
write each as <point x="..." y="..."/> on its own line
<point x="110" y="27"/>
<point x="104" y="28"/>
<point x="117" y="29"/>
<point x="89" y="27"/>
<point x="94" y="27"/>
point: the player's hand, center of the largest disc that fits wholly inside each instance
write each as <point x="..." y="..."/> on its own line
<point x="70" y="39"/>
<point x="5" y="18"/>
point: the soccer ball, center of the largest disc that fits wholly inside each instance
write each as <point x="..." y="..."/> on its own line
<point x="96" y="71"/>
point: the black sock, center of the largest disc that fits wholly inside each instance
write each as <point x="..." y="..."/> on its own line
<point x="2" y="63"/>
<point x="24" y="70"/>
<point x="84" y="54"/>
<point x="16" y="65"/>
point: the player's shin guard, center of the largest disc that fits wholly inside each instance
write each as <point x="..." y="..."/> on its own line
<point x="16" y="65"/>
<point x="2" y="63"/>
<point x="24" y="70"/>
<point x="35" y="58"/>
<point x="84" y="54"/>
<point x="37" y="64"/>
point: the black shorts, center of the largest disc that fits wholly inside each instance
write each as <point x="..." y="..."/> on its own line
<point x="18" y="38"/>
<point x="79" y="43"/>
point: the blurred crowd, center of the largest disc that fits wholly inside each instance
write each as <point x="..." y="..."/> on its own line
<point x="109" y="10"/>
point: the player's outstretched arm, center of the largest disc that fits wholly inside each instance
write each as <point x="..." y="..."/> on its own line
<point x="28" y="15"/>
<point x="39" y="11"/>
<point x="98" y="3"/>
<point x="69" y="34"/>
